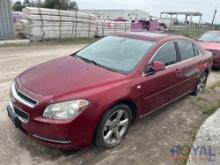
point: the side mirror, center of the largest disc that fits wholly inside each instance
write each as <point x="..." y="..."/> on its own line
<point x="157" y="66"/>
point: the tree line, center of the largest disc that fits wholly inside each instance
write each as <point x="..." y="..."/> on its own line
<point x="51" y="4"/>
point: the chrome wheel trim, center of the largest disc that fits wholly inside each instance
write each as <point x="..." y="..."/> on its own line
<point x="115" y="127"/>
<point x="201" y="84"/>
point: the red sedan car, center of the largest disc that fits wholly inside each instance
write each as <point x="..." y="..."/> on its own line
<point x="211" y="42"/>
<point x="95" y="94"/>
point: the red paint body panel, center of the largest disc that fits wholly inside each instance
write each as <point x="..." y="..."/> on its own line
<point x="68" y="78"/>
<point x="210" y="45"/>
<point x="215" y="48"/>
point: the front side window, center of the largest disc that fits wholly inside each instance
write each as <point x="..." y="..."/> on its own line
<point x="166" y="54"/>
<point x="186" y="50"/>
<point x="119" y="54"/>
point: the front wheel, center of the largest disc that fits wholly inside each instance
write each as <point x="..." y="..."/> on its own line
<point x="113" y="126"/>
<point x="201" y="84"/>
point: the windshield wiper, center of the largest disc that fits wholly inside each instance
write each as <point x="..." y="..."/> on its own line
<point x="83" y="58"/>
<point x="95" y="63"/>
<point x="108" y="68"/>
<point x="88" y="60"/>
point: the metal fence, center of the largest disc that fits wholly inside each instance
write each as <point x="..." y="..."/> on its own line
<point x="6" y="24"/>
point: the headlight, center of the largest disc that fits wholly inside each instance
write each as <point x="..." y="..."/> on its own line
<point x="65" y="110"/>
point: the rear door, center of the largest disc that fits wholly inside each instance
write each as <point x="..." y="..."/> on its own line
<point x="189" y="65"/>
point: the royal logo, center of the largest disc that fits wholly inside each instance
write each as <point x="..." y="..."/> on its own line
<point x="203" y="152"/>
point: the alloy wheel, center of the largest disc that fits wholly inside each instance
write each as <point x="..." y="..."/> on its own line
<point x="115" y="127"/>
<point x="201" y="84"/>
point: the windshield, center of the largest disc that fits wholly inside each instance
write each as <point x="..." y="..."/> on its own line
<point x="210" y="37"/>
<point x="116" y="53"/>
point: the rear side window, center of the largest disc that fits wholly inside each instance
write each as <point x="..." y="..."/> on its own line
<point x="166" y="54"/>
<point x="187" y="49"/>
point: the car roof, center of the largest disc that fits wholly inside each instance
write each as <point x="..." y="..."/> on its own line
<point x="151" y="36"/>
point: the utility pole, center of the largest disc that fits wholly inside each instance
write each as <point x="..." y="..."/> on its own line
<point x="213" y="19"/>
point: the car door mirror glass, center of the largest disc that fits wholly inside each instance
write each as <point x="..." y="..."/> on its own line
<point x="157" y="66"/>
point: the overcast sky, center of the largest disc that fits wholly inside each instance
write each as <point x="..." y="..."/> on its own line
<point x="154" y="7"/>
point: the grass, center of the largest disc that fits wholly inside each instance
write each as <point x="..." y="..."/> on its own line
<point x="207" y="104"/>
<point x="210" y="109"/>
<point x="66" y="41"/>
<point x="193" y="33"/>
<point x="215" y="85"/>
<point x="194" y="132"/>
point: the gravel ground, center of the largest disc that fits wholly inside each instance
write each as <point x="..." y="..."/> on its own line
<point x="149" y="140"/>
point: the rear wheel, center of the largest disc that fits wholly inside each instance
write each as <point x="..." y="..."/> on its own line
<point x="113" y="126"/>
<point x="201" y="84"/>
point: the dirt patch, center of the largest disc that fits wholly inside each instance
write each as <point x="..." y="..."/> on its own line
<point x="149" y="140"/>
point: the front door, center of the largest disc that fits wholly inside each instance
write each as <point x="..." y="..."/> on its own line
<point x="161" y="87"/>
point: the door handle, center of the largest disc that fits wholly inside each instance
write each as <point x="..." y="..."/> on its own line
<point x="178" y="70"/>
<point x="200" y="62"/>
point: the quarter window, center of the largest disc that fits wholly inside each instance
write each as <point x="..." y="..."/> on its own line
<point x="187" y="49"/>
<point x="166" y="54"/>
<point x="196" y="51"/>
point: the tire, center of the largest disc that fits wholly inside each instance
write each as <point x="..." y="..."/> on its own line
<point x="200" y="84"/>
<point x="113" y="126"/>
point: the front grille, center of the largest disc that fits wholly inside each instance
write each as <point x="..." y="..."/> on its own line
<point x="25" y="97"/>
<point x="20" y="113"/>
<point x="22" y="98"/>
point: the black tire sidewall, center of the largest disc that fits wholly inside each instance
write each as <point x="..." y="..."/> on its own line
<point x="196" y="90"/>
<point x="99" y="141"/>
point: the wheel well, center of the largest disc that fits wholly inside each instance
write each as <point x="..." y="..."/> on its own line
<point x="131" y="104"/>
<point x="207" y="71"/>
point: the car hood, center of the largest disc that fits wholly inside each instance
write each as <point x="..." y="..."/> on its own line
<point x="65" y="75"/>
<point x="210" y="45"/>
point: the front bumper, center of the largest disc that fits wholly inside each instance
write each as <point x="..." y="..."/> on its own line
<point x="14" y="118"/>
<point x="51" y="133"/>
<point x="64" y="134"/>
